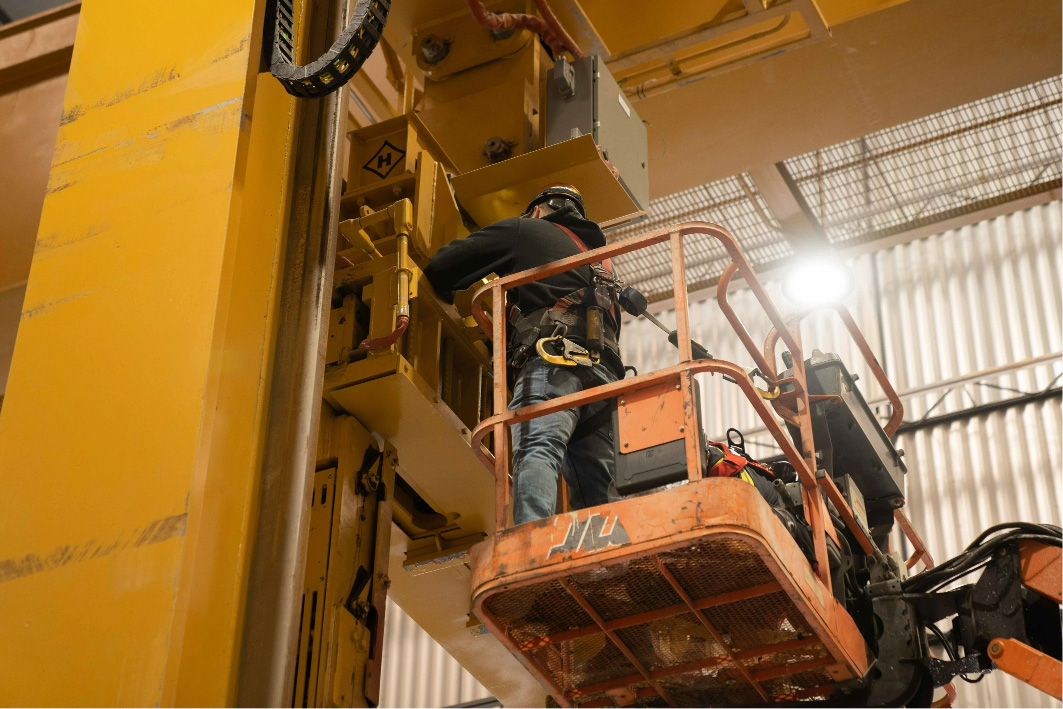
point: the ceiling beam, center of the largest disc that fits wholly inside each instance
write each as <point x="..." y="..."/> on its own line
<point x="894" y="66"/>
<point x="665" y="49"/>
<point x="780" y="193"/>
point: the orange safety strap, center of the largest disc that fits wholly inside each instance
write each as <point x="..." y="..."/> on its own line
<point x="732" y="464"/>
<point x="606" y="264"/>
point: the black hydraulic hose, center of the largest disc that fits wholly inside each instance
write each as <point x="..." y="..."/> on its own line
<point x="979" y="552"/>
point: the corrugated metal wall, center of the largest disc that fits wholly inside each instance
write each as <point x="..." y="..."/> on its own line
<point x="964" y="301"/>
<point x="967" y="475"/>
<point x="960" y="302"/>
<point x="417" y="671"/>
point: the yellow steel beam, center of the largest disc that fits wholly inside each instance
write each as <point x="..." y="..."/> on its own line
<point x="130" y="440"/>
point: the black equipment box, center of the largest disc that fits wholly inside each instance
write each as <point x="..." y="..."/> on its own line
<point x="653" y="466"/>
<point x="850" y="440"/>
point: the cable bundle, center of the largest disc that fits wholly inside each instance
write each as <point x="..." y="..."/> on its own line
<point x="980" y="552"/>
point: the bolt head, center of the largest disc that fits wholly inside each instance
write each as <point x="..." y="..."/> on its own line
<point x="682" y="428"/>
<point x="623" y="402"/>
<point x="625" y="444"/>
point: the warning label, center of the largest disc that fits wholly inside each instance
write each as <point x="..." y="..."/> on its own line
<point x="385" y="160"/>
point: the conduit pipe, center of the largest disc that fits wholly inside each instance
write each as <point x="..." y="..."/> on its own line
<point x="548" y="27"/>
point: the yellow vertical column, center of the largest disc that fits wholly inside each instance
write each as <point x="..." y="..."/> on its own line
<point x="130" y="437"/>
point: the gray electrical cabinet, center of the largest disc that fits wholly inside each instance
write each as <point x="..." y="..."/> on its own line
<point x="582" y="98"/>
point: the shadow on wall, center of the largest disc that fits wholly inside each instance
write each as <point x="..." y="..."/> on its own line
<point x="32" y="82"/>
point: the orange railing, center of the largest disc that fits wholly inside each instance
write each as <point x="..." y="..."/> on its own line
<point x="793" y="406"/>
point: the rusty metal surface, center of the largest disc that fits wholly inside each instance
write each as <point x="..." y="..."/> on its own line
<point x="694" y="594"/>
<point x="1042" y="569"/>
<point x="651" y="416"/>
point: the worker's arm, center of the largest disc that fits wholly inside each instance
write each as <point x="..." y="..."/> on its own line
<point x="462" y="262"/>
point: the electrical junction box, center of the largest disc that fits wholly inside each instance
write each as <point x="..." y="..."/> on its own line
<point x="582" y="98"/>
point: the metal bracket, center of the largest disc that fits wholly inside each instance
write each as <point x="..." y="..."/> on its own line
<point x="564" y="78"/>
<point x="942" y="671"/>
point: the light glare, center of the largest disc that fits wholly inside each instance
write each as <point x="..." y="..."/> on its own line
<point x="818" y="282"/>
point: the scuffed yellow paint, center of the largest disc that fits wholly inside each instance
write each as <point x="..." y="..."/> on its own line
<point x="138" y="387"/>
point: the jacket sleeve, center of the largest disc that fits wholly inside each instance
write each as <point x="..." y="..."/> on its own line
<point x="462" y="262"/>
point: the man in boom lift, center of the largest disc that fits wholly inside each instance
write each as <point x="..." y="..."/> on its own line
<point x="563" y="337"/>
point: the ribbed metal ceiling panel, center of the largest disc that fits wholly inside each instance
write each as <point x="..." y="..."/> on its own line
<point x="973" y="156"/>
<point x="733" y="202"/>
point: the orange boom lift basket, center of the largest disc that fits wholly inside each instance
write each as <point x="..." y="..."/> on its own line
<point x="689" y="595"/>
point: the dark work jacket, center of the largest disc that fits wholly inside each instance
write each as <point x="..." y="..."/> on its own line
<point x="517" y="244"/>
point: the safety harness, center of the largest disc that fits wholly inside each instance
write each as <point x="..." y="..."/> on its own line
<point x="730" y="460"/>
<point x="564" y="316"/>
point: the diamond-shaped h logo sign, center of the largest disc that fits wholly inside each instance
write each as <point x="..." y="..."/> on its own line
<point x="384" y="160"/>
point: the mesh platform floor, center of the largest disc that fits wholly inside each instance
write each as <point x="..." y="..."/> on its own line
<point x="768" y="651"/>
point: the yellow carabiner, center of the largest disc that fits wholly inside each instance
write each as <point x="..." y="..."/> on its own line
<point x="552" y="359"/>
<point x="774" y="394"/>
<point x="764" y="394"/>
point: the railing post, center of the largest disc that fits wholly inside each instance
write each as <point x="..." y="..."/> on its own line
<point x="679" y="288"/>
<point x="499" y="435"/>
<point x="691" y="433"/>
<point x="815" y="506"/>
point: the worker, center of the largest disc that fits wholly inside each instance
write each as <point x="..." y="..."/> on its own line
<point x="549" y="353"/>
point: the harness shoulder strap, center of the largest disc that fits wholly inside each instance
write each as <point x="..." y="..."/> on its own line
<point x="606" y="264"/>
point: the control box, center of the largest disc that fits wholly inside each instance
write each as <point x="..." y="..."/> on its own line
<point x="582" y="98"/>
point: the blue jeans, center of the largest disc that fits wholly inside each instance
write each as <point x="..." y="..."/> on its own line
<point x="542" y="446"/>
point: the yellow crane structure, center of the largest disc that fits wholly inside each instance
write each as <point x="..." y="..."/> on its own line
<point x="238" y="418"/>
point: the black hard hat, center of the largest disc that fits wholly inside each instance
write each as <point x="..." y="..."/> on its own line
<point x="559" y="191"/>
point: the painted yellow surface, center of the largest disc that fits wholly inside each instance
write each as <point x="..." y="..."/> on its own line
<point x="131" y="427"/>
<point x="626" y="24"/>
<point x="835" y="12"/>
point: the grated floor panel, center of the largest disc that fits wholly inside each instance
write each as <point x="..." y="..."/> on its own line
<point x="678" y="650"/>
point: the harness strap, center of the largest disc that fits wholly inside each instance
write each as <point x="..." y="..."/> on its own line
<point x="606" y="264"/>
<point x="731" y="464"/>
